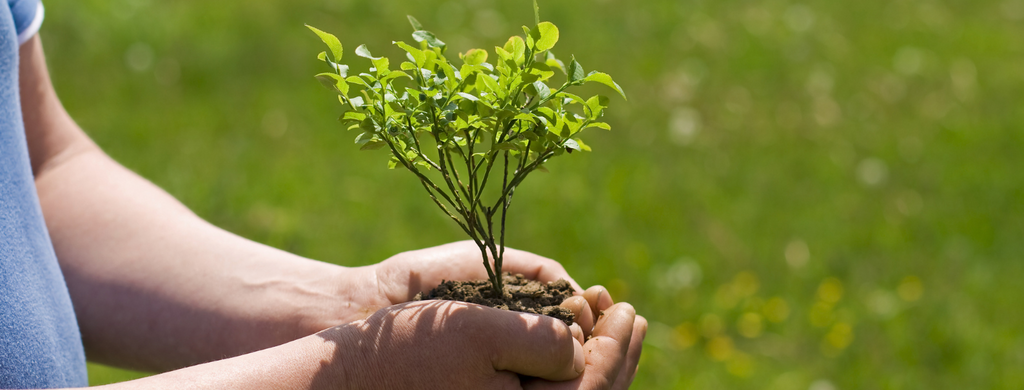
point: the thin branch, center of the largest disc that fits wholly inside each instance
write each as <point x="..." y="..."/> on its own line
<point x="413" y="169"/>
<point x="455" y="170"/>
<point x="419" y="149"/>
<point x="520" y="175"/>
<point x="444" y="170"/>
<point x="504" y="210"/>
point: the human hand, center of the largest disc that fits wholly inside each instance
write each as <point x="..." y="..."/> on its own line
<point x="454" y="345"/>
<point x="402" y="276"/>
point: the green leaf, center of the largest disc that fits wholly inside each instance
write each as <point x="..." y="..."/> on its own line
<point x="362" y="51"/>
<point x="368" y="124"/>
<point x="395" y="108"/>
<point x="417" y="54"/>
<point x="353" y="116"/>
<point x="530" y="42"/>
<point x="431" y="59"/>
<point x="551" y="61"/>
<point x="595" y="106"/>
<point x="423" y="164"/>
<point x="503" y="54"/>
<point x="406" y="65"/>
<point x="557" y="127"/>
<point x="394" y="75"/>
<point x="541" y="70"/>
<point x="576" y="73"/>
<point x="582" y="145"/>
<point x="333" y="82"/>
<point x="542" y="89"/>
<point x="393" y="162"/>
<point x="357" y="80"/>
<point x="571" y="144"/>
<point x="449" y="73"/>
<point x="474" y="56"/>
<point x="572" y="98"/>
<point x="528" y="52"/>
<point x="382" y="64"/>
<point x="547" y="113"/>
<point x="523" y="117"/>
<point x="545" y="36"/>
<point x="429" y="38"/>
<point x="322" y="56"/>
<point x="468" y="71"/>
<point x="341" y="69"/>
<point x="573" y="123"/>
<point x="605" y="79"/>
<point x="484" y="109"/>
<point x="493" y="86"/>
<point x="517" y="47"/>
<point x="373" y="145"/>
<point x="332" y="42"/>
<point x="599" y="125"/>
<point x="364" y="137"/>
<point x="468" y="96"/>
<point x="416" y="25"/>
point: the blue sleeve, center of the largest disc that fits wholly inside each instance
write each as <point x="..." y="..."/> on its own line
<point x="28" y="16"/>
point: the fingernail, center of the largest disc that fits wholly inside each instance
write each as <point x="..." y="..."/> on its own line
<point x="577" y="332"/>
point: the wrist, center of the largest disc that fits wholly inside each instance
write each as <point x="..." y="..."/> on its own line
<point x="342" y="295"/>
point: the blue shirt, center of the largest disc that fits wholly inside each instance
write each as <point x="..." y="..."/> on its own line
<point x="40" y="344"/>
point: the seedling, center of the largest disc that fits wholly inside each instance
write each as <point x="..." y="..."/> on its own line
<point x="462" y="129"/>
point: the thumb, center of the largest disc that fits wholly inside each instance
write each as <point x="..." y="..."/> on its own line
<point x="533" y="345"/>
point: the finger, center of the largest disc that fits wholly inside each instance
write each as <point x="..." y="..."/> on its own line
<point x="606" y="350"/>
<point x="529" y="344"/>
<point x="598" y="298"/>
<point x="606" y="353"/>
<point x="577" y="333"/>
<point x="536" y="267"/>
<point x="504" y="380"/>
<point x="636" y="344"/>
<point x="581" y="310"/>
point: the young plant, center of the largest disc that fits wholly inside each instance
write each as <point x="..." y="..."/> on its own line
<point x="462" y="129"/>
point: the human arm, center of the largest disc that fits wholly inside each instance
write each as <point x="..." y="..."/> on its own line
<point x="417" y="345"/>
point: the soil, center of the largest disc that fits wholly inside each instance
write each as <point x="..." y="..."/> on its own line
<point x="521" y="294"/>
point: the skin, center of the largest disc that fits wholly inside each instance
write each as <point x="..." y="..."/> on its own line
<point x="156" y="288"/>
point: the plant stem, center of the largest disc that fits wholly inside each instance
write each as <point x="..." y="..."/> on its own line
<point x="504" y="210"/>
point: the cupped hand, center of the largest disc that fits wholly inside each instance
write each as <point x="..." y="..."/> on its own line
<point x="402" y="276"/>
<point x="455" y="345"/>
<point x="449" y="345"/>
<point x="612" y="334"/>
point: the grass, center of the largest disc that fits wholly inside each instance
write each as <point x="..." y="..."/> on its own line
<point x="814" y="195"/>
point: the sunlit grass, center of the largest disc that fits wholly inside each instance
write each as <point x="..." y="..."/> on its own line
<point x="798" y="195"/>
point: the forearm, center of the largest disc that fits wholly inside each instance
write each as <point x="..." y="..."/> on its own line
<point x="308" y="363"/>
<point x="157" y="288"/>
<point x="311" y="363"/>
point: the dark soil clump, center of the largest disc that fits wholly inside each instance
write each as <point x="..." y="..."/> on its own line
<point x="521" y="294"/>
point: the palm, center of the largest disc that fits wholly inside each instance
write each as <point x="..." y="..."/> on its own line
<point x="404" y="275"/>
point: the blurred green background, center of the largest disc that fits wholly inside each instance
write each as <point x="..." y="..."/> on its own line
<point x="798" y="195"/>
